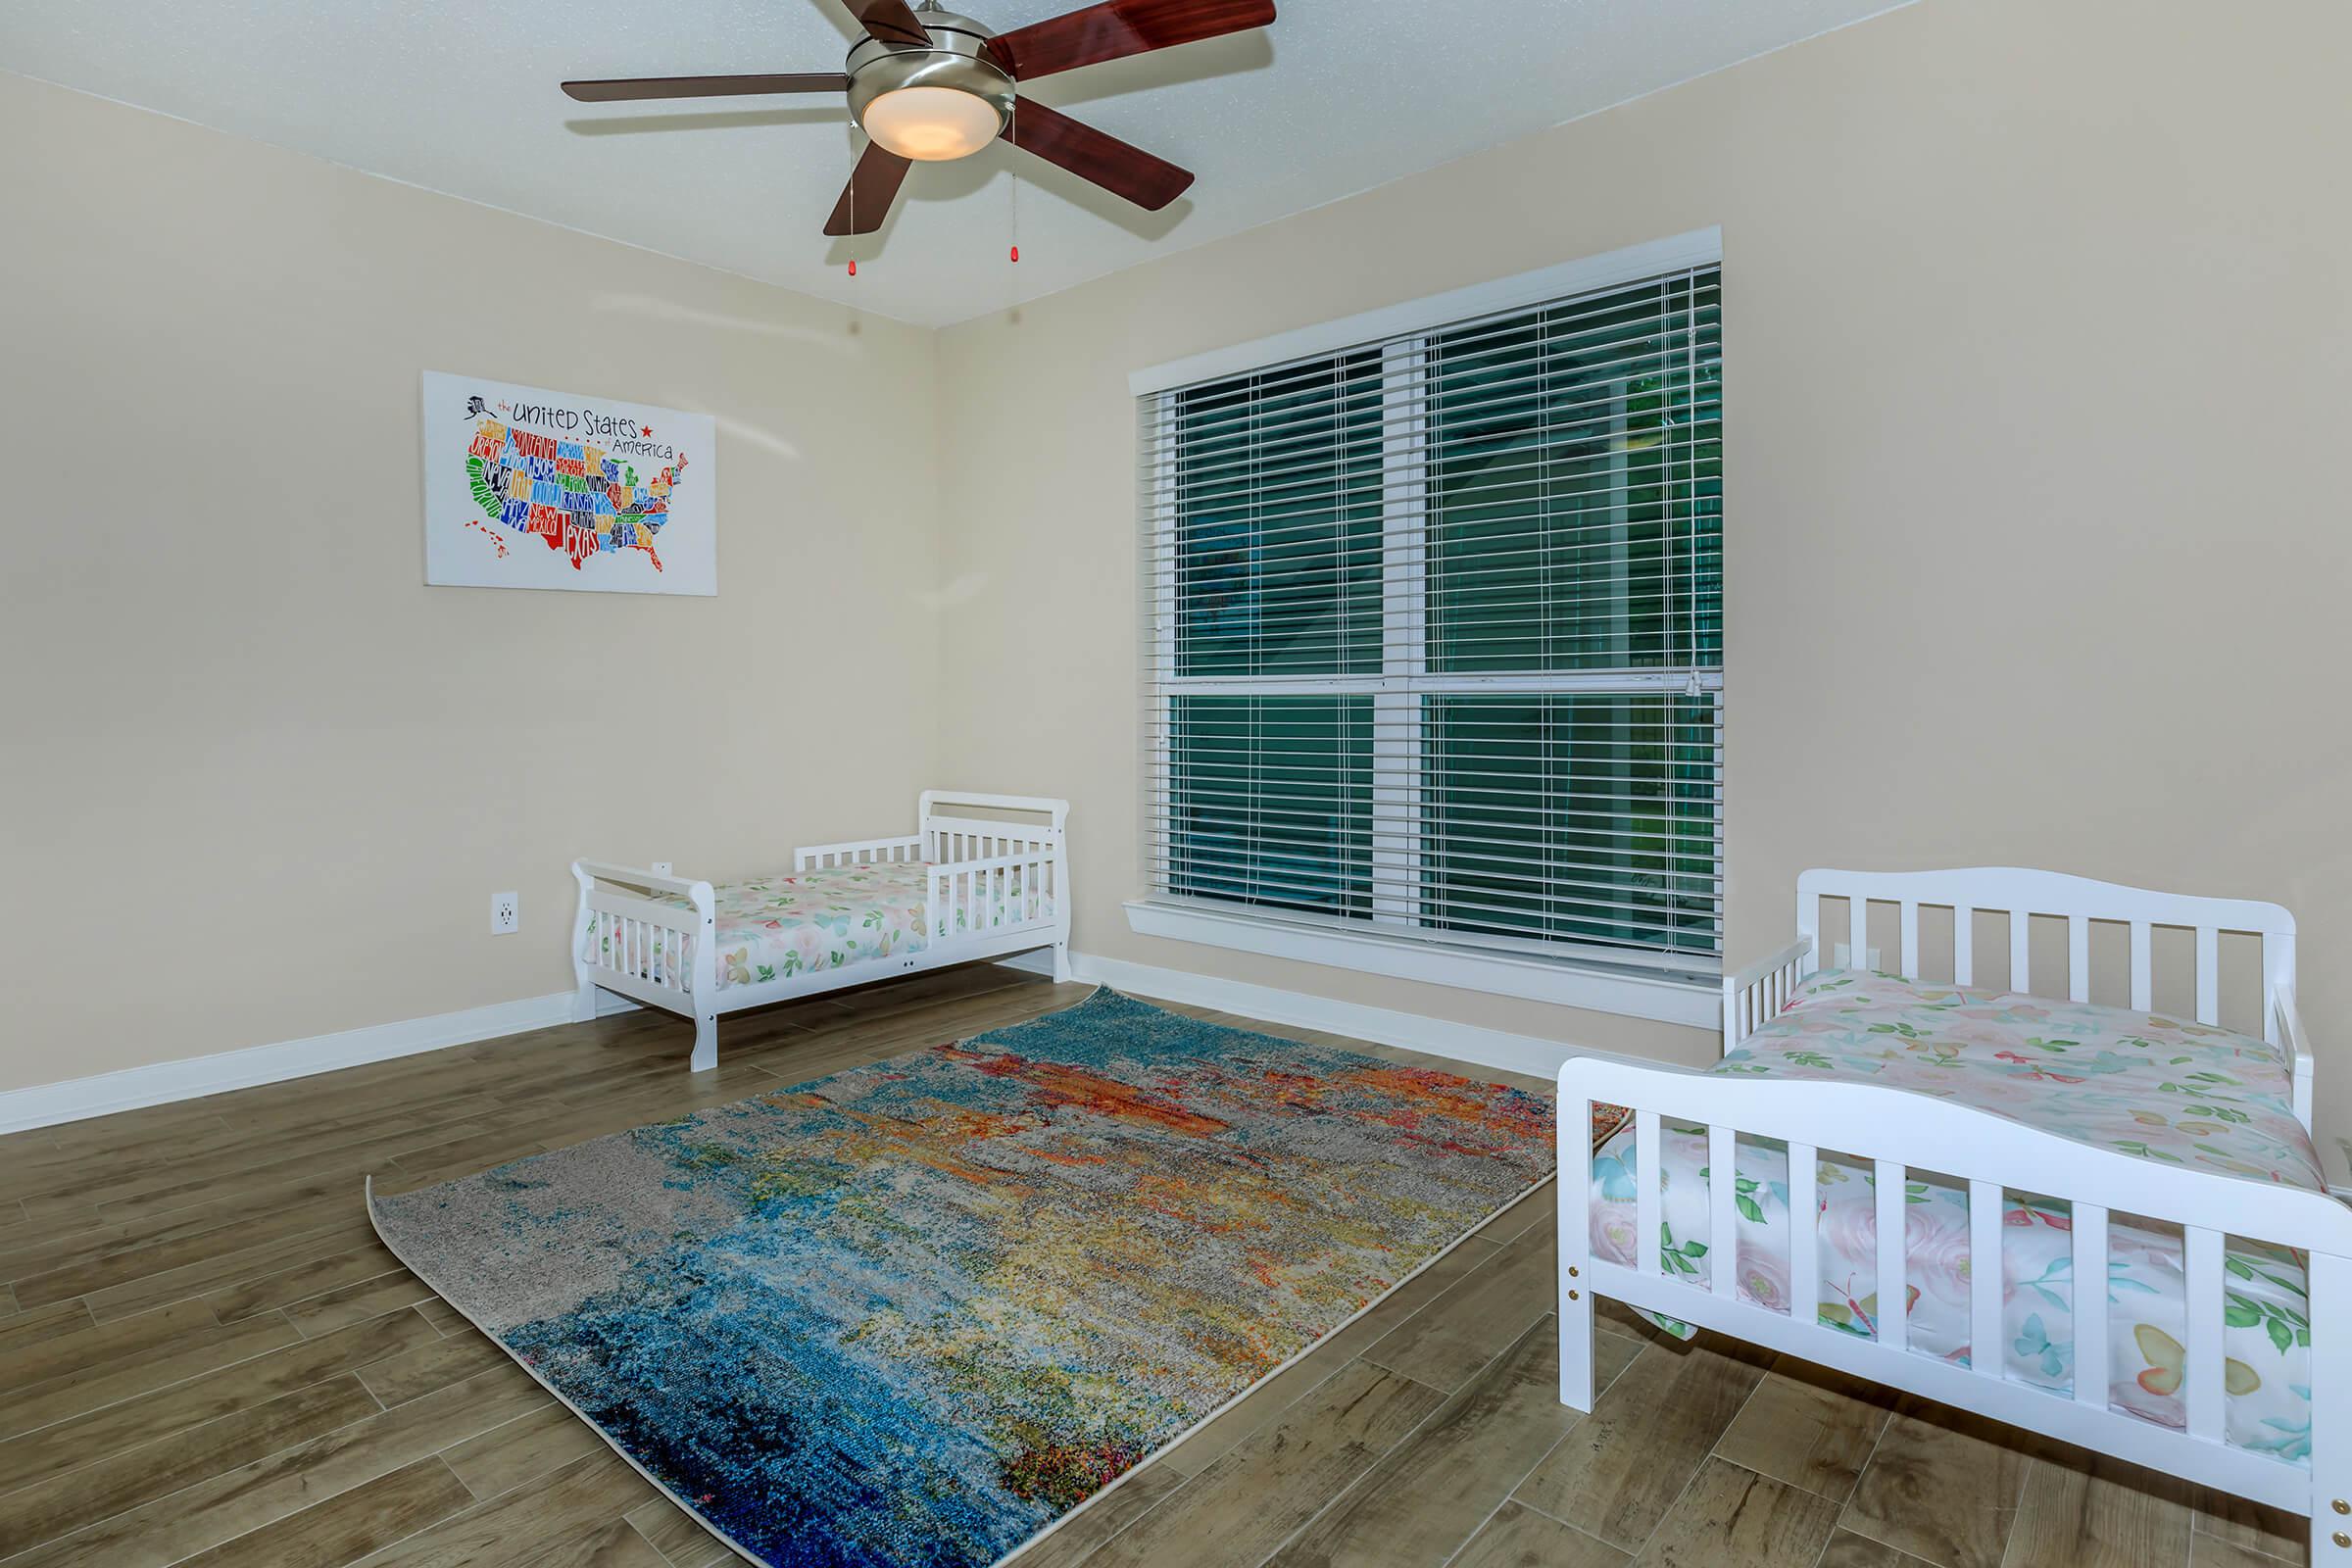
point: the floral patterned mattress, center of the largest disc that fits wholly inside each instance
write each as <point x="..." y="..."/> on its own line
<point x="791" y="924"/>
<point x="2177" y="1092"/>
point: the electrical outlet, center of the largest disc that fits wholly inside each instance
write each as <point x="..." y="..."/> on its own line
<point x="506" y="914"/>
<point x="662" y="868"/>
<point x="1842" y="957"/>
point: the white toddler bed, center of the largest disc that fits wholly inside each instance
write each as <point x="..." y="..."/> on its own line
<point x="1924" y="1126"/>
<point x="960" y="887"/>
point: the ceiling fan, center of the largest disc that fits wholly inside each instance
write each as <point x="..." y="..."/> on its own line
<point x="928" y="85"/>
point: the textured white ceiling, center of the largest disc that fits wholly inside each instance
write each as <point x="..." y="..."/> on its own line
<point x="461" y="97"/>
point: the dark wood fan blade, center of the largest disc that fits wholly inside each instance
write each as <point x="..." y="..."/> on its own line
<point x="1092" y="155"/>
<point x="889" y="20"/>
<point x="1119" y="28"/>
<point x="629" y="88"/>
<point x="873" y="186"/>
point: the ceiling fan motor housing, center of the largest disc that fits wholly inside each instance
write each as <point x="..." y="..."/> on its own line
<point x="954" y="61"/>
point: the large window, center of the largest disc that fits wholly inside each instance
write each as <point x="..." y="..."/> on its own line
<point x="1436" y="632"/>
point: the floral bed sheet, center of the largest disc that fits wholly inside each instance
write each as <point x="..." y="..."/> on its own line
<point x="2152" y="1086"/>
<point x="830" y="918"/>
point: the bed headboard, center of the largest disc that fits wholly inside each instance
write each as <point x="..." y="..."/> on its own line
<point x="937" y="817"/>
<point x="2022" y="894"/>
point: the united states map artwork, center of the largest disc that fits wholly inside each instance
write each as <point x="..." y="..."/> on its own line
<point x="530" y="488"/>
<point x="570" y="495"/>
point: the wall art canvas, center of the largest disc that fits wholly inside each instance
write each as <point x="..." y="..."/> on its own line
<point x="527" y="488"/>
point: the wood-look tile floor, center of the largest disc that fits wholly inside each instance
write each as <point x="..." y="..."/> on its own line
<point x="206" y="1357"/>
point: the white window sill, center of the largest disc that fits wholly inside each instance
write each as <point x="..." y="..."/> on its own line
<point x="1694" y="1000"/>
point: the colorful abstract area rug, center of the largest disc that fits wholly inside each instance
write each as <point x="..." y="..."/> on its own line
<point x="914" y="1313"/>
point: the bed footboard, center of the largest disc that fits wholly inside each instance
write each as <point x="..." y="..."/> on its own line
<point x="1900" y="1132"/>
<point x="632" y="937"/>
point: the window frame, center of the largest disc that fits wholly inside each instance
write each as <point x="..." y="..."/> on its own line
<point x="1679" y="986"/>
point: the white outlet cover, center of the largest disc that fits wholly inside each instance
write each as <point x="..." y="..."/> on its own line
<point x="505" y="913"/>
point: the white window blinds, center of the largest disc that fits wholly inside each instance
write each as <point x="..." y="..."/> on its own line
<point x="1434" y="631"/>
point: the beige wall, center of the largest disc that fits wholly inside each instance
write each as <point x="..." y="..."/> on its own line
<point x="2036" y="327"/>
<point x="2035" y="318"/>
<point x="260" y="781"/>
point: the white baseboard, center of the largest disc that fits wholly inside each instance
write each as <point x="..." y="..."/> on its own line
<point x="1409" y="1031"/>
<point x="76" y="1099"/>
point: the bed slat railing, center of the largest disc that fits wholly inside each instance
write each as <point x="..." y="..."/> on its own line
<point x="859" y="852"/>
<point x="1900" y="1135"/>
<point x="2090" y="1304"/>
<point x="2295" y="1046"/>
<point x="1892" y="1216"/>
<point x="2206" y="1365"/>
<point x="1804" y="1236"/>
<point x="2209" y="974"/>
<point x="1987" y="1202"/>
<point x="636" y="943"/>
<point x="1754" y="995"/>
<point x="1723" y="1209"/>
<point x="2078" y="929"/>
<point x="966" y="895"/>
<point x="1646" y="1200"/>
<point x="648" y="951"/>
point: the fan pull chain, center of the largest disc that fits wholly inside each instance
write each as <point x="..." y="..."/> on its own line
<point x="853" y="167"/>
<point x="1012" y="194"/>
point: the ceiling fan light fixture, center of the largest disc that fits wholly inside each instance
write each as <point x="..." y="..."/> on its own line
<point x="928" y="84"/>
<point x="932" y="124"/>
<point x="930" y="105"/>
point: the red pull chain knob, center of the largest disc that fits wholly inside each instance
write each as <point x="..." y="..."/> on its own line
<point x="852" y="268"/>
<point x="1016" y="252"/>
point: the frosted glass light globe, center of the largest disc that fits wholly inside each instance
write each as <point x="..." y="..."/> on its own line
<point x="932" y="124"/>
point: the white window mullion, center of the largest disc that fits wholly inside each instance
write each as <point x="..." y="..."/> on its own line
<point x="1403" y="585"/>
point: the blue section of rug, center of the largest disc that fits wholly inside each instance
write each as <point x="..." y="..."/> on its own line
<point x="910" y="1315"/>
